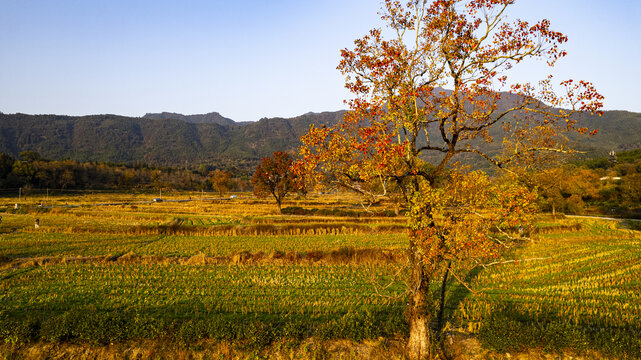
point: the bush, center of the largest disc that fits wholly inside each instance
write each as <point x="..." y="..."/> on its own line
<point x="633" y="225"/>
<point x="503" y="332"/>
<point x="258" y="334"/>
<point x="295" y="329"/>
<point x="101" y="328"/>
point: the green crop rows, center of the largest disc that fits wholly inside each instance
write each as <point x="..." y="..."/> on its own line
<point x="576" y="284"/>
<point x="185" y="291"/>
<point x="585" y="287"/>
<point x="21" y="245"/>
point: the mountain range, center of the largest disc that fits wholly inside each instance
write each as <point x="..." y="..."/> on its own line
<point x="189" y="140"/>
<point x="212" y="117"/>
<point x="161" y="139"/>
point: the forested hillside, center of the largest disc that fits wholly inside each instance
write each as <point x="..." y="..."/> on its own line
<point x="188" y="141"/>
<point x="112" y="138"/>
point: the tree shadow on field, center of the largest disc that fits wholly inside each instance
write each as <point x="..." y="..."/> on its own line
<point x="461" y="292"/>
<point x="456" y="294"/>
<point x="512" y="327"/>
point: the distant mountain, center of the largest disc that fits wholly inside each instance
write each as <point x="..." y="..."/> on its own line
<point x="180" y="140"/>
<point x="160" y="141"/>
<point x="618" y="131"/>
<point x="212" y="117"/>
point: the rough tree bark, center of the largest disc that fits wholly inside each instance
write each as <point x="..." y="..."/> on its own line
<point x="419" y="311"/>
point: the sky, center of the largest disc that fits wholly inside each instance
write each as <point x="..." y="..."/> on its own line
<point x="254" y="58"/>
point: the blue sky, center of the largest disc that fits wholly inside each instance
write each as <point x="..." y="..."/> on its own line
<point x="250" y="59"/>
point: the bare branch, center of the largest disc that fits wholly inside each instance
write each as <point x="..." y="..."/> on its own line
<point x="462" y="282"/>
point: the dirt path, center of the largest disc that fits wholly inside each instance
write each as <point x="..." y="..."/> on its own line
<point x="600" y="218"/>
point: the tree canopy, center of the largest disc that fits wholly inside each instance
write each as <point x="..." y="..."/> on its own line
<point x="221" y="181"/>
<point x="402" y="114"/>
<point x="274" y="177"/>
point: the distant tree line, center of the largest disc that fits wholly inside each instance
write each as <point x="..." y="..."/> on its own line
<point x="608" y="185"/>
<point x="30" y="170"/>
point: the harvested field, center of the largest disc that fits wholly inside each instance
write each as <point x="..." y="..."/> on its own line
<point x="240" y="272"/>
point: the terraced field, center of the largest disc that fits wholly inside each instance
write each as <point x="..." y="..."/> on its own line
<point x="214" y="269"/>
<point x="580" y="289"/>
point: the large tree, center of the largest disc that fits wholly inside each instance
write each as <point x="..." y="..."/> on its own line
<point x="401" y="115"/>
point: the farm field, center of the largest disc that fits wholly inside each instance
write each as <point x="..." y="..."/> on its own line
<point x="580" y="290"/>
<point x="239" y="271"/>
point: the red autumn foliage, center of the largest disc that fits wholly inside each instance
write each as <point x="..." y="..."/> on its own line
<point x="401" y="115"/>
<point x="274" y="177"/>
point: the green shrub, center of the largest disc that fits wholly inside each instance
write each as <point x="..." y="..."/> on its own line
<point x="192" y="331"/>
<point x="633" y="225"/>
<point x="363" y="325"/>
<point x="146" y="327"/>
<point x="295" y="329"/>
<point x="256" y="334"/>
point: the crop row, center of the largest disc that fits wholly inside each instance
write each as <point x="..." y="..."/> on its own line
<point x="27" y="245"/>
<point x="590" y="281"/>
<point x="177" y="291"/>
<point x="74" y="221"/>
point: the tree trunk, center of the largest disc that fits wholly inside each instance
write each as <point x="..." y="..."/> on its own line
<point x="418" y="345"/>
<point x="441" y="305"/>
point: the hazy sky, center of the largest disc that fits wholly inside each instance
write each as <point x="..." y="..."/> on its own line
<point x="250" y="59"/>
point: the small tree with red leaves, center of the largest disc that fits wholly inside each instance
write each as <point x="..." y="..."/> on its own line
<point x="274" y="177"/>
